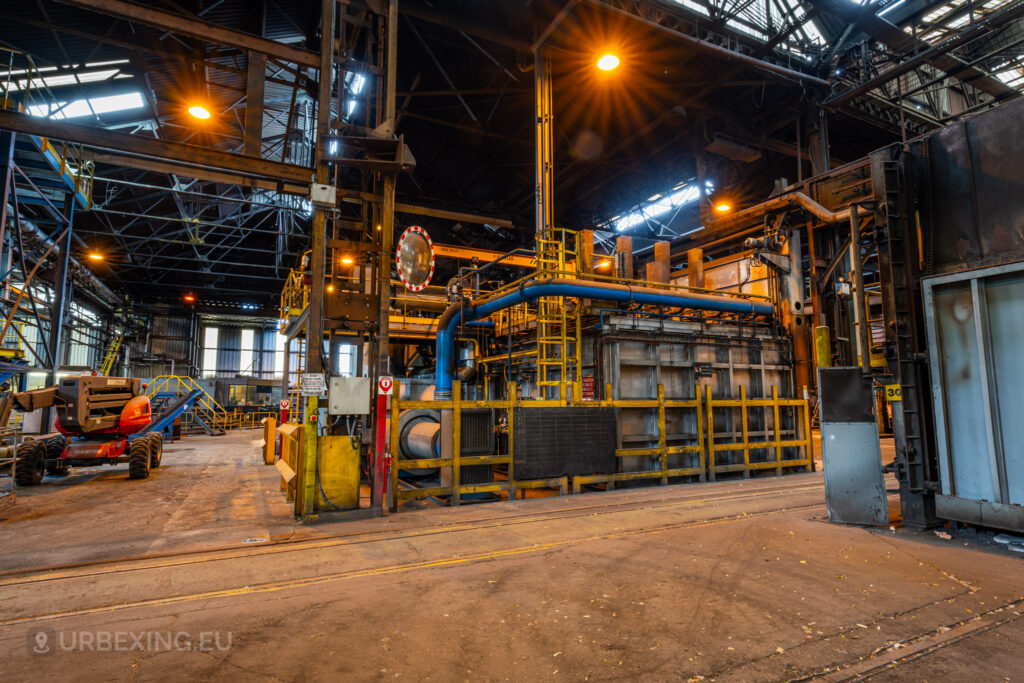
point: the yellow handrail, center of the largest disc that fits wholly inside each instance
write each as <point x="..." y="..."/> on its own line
<point x="208" y="409"/>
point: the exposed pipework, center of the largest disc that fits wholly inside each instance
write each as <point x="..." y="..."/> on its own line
<point x="531" y="291"/>
<point x="419" y="437"/>
<point x="794" y="199"/>
<point x="467" y="361"/>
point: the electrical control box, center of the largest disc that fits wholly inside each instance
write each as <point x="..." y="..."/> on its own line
<point x="349" y="396"/>
<point x="323" y="195"/>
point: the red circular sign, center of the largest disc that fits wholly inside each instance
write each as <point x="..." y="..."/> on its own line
<point x="285" y="404"/>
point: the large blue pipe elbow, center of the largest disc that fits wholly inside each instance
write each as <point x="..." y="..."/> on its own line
<point x="468" y="312"/>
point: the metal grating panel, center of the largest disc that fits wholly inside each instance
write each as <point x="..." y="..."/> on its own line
<point x="555" y="442"/>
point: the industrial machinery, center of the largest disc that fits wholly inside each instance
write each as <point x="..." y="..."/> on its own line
<point x="916" y="272"/>
<point x="99" y="421"/>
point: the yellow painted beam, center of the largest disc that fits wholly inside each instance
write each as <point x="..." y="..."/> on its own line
<point x="483" y="255"/>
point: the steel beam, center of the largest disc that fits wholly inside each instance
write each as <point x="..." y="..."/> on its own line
<point x="254" y="90"/>
<point x="181" y="153"/>
<point x="457" y="23"/>
<point x="482" y="255"/>
<point x="971" y="32"/>
<point x="196" y="28"/>
<point x="711" y="48"/>
<point x="899" y="41"/>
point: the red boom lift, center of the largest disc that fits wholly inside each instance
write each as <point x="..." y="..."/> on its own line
<point x="100" y="421"/>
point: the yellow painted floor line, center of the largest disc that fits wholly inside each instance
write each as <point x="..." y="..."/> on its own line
<point x="143" y="563"/>
<point x="273" y="586"/>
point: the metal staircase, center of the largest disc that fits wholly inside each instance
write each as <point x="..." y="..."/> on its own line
<point x="209" y="415"/>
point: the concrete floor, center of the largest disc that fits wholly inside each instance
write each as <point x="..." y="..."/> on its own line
<point x="199" y="572"/>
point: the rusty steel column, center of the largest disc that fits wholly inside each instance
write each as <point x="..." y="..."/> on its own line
<point x="315" y="319"/>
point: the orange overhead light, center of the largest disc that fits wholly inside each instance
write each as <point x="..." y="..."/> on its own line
<point x="604" y="264"/>
<point x="189" y="298"/>
<point x="330" y="289"/>
<point x="607" y="62"/>
<point x="723" y="207"/>
<point x="199" y="111"/>
<point x="347" y="260"/>
<point x="95" y="256"/>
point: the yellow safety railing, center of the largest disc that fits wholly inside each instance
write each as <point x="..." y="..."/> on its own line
<point x="662" y="450"/>
<point x="703" y="448"/>
<point x="741" y="441"/>
<point x="207" y="409"/>
<point x="234" y="421"/>
<point x="511" y="486"/>
<point x="24" y="88"/>
<point x="294" y="297"/>
<point x="12" y="348"/>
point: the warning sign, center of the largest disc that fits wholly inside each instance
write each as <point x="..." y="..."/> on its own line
<point x="893" y="392"/>
<point x="588" y="388"/>
<point x="312" y="384"/>
<point x="385" y="385"/>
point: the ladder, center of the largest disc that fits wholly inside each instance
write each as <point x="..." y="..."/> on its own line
<point x="294" y="397"/>
<point x="558" y="330"/>
<point x="111" y="356"/>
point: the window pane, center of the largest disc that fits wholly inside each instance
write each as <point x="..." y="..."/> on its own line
<point x="210" y="362"/>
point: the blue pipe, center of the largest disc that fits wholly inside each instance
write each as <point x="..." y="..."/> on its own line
<point x="531" y="291"/>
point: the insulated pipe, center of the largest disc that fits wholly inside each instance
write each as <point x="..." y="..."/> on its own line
<point x="781" y="202"/>
<point x="468" y="356"/>
<point x="423" y="439"/>
<point x="531" y="291"/>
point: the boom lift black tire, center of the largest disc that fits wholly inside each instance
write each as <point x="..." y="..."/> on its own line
<point x="156" y="451"/>
<point x="31" y="463"/>
<point x="55" y="446"/>
<point x="138" y="458"/>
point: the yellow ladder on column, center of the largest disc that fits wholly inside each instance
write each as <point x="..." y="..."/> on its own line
<point x="111" y="357"/>
<point x="300" y="367"/>
<point x="557" y="329"/>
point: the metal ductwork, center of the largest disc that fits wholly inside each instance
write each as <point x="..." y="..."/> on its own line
<point x="467" y="362"/>
<point x="459" y="314"/>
